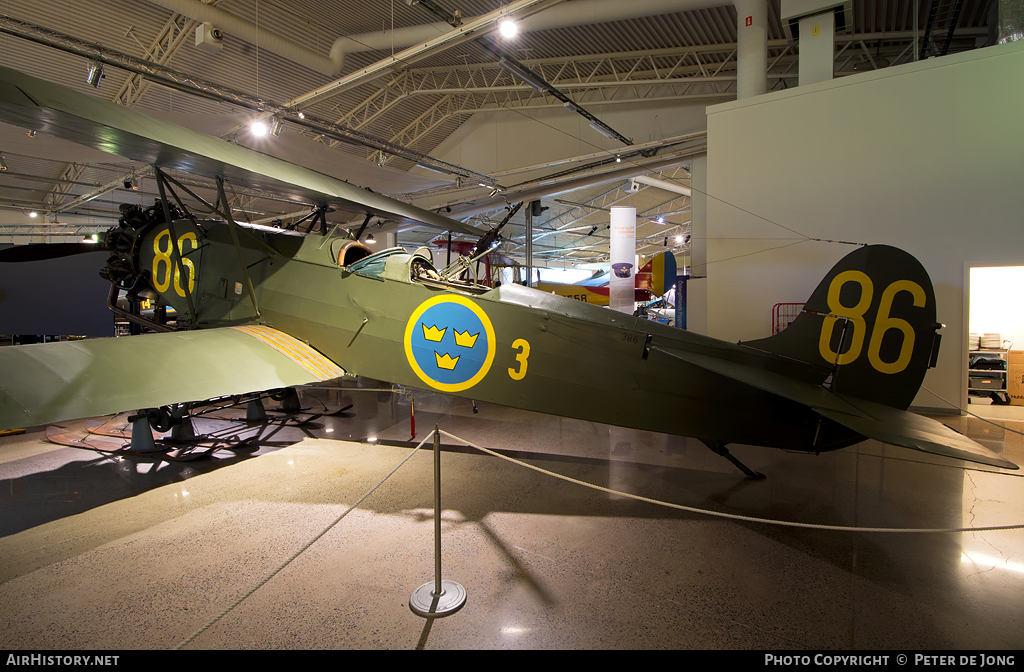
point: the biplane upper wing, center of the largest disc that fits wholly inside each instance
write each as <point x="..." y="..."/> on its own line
<point x="868" y="418"/>
<point x="50" y="382"/>
<point x="64" y="113"/>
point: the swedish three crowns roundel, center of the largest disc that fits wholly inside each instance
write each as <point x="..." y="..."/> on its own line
<point x="449" y="342"/>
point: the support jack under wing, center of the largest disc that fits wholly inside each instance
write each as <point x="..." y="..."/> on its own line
<point x="50" y="382"/>
<point x="869" y="419"/>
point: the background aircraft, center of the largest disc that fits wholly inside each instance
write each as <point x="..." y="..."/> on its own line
<point x="269" y="308"/>
<point x="654" y="278"/>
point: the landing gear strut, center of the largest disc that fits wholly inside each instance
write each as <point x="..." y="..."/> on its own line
<point x="720" y="448"/>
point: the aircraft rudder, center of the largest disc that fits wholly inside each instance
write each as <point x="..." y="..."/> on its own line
<point x="870" y="324"/>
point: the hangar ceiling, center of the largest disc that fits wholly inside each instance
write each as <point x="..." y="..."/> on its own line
<point x="333" y="60"/>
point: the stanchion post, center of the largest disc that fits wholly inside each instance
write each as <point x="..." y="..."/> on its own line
<point x="437" y="598"/>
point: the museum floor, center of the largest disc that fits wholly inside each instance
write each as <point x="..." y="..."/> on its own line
<point x="104" y="553"/>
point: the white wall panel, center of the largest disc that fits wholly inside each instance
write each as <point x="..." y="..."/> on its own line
<point x="926" y="156"/>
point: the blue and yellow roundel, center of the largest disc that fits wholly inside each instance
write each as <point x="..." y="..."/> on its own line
<point x="449" y="342"/>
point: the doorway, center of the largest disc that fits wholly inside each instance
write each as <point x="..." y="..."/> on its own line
<point x="995" y="326"/>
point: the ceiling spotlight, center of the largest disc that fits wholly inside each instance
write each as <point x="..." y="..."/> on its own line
<point x="131" y="184"/>
<point x="370" y="239"/>
<point x="301" y="115"/>
<point x="618" y="159"/>
<point x="679" y="240"/>
<point x="33" y="214"/>
<point x="276" y="126"/>
<point x="661" y="220"/>
<point x="258" y="128"/>
<point x="94" y="74"/>
<point x="508" y="27"/>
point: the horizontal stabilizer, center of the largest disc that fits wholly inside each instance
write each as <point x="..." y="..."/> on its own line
<point x="869" y="419"/>
<point x="910" y="430"/>
<point x="50" y="382"/>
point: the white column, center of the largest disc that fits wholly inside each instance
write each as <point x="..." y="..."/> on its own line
<point x="697" y="287"/>
<point x="751" y="47"/>
<point x="622" y="287"/>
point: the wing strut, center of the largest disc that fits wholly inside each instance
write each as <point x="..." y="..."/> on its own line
<point x="233" y="227"/>
<point x="319" y="216"/>
<point x="175" y="253"/>
<point x="224" y="212"/>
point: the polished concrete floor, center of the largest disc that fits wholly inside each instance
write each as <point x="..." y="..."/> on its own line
<point x="113" y="553"/>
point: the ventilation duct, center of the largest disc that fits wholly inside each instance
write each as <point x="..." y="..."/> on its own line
<point x="569" y="13"/>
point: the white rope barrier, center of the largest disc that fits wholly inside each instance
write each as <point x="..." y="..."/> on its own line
<point x="732" y="516"/>
<point x="680" y="507"/>
<point x="299" y="552"/>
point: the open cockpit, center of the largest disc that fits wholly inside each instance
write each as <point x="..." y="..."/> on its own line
<point x="399" y="265"/>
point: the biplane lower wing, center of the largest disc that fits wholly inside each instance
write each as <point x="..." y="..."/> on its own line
<point x="869" y="419"/>
<point x="50" y="382"/>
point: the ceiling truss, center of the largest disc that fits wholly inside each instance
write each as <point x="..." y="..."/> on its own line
<point x="679" y="74"/>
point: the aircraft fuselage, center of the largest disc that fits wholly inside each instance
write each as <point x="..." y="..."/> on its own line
<point x="511" y="345"/>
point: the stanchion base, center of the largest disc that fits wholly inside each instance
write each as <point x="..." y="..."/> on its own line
<point x="424" y="603"/>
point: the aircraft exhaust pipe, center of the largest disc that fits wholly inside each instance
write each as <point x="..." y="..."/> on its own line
<point x="137" y="319"/>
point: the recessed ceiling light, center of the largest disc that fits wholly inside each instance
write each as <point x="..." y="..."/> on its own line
<point x="508" y="27"/>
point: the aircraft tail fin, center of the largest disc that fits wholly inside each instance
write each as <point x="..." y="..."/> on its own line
<point x="658" y="275"/>
<point x="871" y="323"/>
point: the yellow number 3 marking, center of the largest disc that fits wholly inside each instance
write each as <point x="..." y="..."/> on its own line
<point x="524" y="352"/>
<point x="883" y="322"/>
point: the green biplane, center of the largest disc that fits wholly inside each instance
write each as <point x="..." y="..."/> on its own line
<point x="269" y="308"/>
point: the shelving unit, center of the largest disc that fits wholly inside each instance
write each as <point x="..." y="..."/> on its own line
<point x="988" y="382"/>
